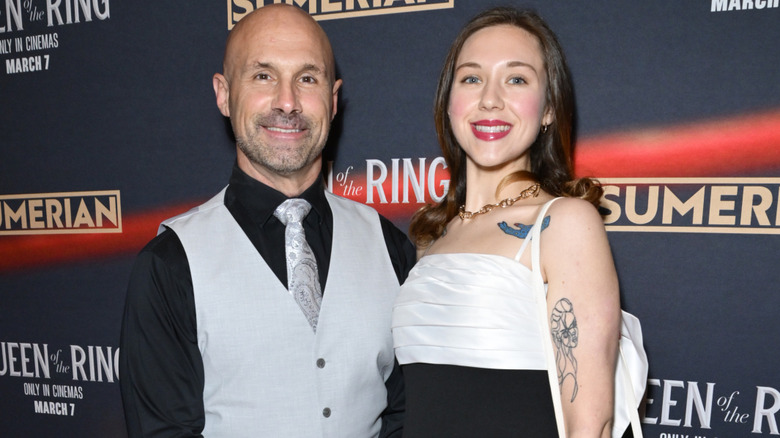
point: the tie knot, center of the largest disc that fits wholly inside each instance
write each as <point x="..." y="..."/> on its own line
<point x="292" y="210"/>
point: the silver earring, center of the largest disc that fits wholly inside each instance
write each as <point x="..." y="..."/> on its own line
<point x="544" y="129"/>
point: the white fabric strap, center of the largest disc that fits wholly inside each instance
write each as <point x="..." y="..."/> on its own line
<point x="522" y="249"/>
<point x="302" y="278"/>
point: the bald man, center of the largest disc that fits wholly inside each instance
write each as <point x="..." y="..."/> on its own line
<point x="213" y="343"/>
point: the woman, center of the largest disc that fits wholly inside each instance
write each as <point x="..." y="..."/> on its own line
<point x="466" y="327"/>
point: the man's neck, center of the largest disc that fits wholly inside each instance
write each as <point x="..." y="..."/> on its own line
<point x="290" y="185"/>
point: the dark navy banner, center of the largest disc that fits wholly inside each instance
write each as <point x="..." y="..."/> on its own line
<point x="109" y="125"/>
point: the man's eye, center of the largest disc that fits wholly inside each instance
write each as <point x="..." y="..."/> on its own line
<point x="263" y="76"/>
<point x="308" y="80"/>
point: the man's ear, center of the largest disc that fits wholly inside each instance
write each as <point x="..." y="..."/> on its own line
<point x="336" y="87"/>
<point x="222" y="92"/>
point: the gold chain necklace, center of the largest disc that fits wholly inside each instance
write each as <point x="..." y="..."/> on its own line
<point x="532" y="190"/>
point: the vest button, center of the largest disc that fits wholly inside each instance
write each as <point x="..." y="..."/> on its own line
<point x="326" y="412"/>
<point x="320" y="363"/>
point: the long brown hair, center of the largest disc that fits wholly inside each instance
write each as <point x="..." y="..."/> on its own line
<point x="550" y="154"/>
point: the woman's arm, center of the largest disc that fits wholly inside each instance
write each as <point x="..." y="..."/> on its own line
<point x="584" y="314"/>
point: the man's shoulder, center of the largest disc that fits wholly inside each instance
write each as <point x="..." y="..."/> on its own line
<point x="348" y="203"/>
<point x="215" y="202"/>
<point x="164" y="247"/>
<point x="388" y="227"/>
<point x="352" y="209"/>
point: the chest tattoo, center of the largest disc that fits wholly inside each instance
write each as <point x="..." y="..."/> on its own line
<point x="522" y="230"/>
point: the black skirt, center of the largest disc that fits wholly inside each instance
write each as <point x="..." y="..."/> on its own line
<point x="453" y="401"/>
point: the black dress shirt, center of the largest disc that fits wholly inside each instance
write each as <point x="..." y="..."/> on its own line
<point x="160" y="365"/>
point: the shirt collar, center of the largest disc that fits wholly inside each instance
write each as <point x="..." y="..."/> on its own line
<point x="260" y="200"/>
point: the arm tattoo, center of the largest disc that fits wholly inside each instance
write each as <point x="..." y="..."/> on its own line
<point x="565" y="334"/>
<point x="522" y="230"/>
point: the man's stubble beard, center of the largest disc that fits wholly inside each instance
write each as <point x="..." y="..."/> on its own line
<point x="281" y="160"/>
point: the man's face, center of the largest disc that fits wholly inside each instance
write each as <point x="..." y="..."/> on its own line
<point x="281" y="95"/>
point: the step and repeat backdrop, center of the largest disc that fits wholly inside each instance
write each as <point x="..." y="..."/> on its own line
<point x="109" y="125"/>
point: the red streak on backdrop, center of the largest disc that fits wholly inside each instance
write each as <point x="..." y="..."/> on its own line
<point x="735" y="146"/>
<point x="21" y="252"/>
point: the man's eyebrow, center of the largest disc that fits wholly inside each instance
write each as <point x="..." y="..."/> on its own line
<point x="258" y="65"/>
<point x="308" y="67"/>
<point x="313" y="69"/>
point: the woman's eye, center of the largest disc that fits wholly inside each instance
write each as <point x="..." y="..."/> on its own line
<point x="517" y="80"/>
<point x="470" y="80"/>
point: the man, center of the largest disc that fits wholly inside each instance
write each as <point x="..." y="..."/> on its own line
<point x="213" y="343"/>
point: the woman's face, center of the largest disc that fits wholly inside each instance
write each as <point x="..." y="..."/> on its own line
<point x="497" y="101"/>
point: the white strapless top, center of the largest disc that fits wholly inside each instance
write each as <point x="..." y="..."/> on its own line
<point x="475" y="310"/>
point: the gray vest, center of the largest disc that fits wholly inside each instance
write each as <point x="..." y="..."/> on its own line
<point x="266" y="373"/>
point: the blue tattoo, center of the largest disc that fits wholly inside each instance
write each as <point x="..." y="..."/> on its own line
<point x="522" y="230"/>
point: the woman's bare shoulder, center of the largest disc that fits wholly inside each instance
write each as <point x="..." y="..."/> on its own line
<point x="575" y="213"/>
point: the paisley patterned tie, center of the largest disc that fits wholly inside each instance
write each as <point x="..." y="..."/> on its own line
<point x="302" y="278"/>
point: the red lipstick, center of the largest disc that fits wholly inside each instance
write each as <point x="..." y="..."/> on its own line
<point x="489" y="130"/>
